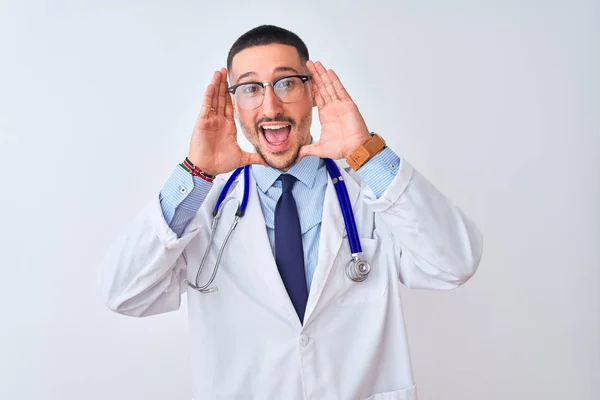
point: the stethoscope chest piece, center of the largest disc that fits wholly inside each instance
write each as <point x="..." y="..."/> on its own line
<point x="358" y="268"/>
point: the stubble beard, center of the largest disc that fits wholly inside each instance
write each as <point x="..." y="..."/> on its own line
<point x="283" y="164"/>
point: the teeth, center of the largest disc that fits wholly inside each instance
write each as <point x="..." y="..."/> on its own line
<point x="275" y="126"/>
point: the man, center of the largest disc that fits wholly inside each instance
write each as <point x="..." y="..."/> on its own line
<point x="287" y="320"/>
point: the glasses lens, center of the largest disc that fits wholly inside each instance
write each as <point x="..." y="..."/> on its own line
<point x="289" y="90"/>
<point x="249" y="96"/>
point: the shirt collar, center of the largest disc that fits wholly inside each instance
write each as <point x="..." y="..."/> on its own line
<point x="305" y="171"/>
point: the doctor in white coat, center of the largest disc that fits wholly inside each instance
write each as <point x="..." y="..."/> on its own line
<point x="258" y="336"/>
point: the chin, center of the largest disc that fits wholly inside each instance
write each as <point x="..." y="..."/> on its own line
<point x="282" y="161"/>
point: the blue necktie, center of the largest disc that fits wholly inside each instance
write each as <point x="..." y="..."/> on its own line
<point x="288" y="246"/>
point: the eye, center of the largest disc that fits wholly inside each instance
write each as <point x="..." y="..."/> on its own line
<point x="287" y="83"/>
<point x="250" y="89"/>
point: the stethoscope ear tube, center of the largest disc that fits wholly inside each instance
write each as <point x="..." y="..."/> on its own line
<point x="206" y="287"/>
<point x="218" y="210"/>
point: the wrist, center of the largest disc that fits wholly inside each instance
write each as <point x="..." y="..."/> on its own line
<point x="197" y="161"/>
<point x="371" y="147"/>
<point x="189" y="166"/>
<point x="365" y="137"/>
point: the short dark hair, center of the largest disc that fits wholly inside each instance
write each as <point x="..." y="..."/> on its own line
<point x="267" y="34"/>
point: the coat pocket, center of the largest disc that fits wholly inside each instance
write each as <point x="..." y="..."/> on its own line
<point x="405" y="394"/>
<point x="350" y="293"/>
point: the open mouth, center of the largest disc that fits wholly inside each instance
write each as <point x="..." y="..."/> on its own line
<point x="276" y="135"/>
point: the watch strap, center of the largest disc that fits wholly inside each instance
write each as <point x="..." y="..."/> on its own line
<point x="365" y="152"/>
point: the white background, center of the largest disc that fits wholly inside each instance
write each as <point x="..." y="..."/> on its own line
<point x="497" y="103"/>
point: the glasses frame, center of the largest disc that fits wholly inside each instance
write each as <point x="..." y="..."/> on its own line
<point x="263" y="85"/>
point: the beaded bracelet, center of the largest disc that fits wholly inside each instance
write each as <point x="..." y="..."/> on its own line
<point x="195" y="171"/>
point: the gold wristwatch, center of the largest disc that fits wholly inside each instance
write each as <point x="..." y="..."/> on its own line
<point x="365" y="152"/>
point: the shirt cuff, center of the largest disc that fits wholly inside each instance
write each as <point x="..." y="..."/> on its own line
<point x="181" y="198"/>
<point x="380" y="171"/>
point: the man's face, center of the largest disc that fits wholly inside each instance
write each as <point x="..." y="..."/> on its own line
<point x="279" y="147"/>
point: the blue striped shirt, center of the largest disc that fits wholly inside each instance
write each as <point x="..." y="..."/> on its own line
<point x="183" y="195"/>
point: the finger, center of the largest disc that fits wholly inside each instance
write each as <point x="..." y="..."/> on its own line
<point x="207" y="102"/>
<point x="311" y="67"/>
<point x="318" y="80"/>
<point x="228" y="101"/>
<point x="340" y="90"/>
<point x="316" y="77"/>
<point x="317" y="95"/>
<point x="326" y="81"/>
<point x="310" y="150"/>
<point x="228" y="107"/>
<point x="215" y="97"/>
<point x="222" y="93"/>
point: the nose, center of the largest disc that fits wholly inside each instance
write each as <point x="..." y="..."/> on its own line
<point x="271" y="106"/>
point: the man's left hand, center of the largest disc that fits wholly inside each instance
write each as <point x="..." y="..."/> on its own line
<point x="343" y="129"/>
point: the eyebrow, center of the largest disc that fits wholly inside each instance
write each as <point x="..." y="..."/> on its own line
<point x="278" y="69"/>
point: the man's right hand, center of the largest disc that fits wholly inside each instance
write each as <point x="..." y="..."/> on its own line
<point x="214" y="147"/>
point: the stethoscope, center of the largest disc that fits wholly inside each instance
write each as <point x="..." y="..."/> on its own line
<point x="357" y="268"/>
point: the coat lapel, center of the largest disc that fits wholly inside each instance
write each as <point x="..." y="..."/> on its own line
<point x="332" y="232"/>
<point x="253" y="231"/>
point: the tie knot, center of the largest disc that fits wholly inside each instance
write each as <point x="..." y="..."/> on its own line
<point x="287" y="182"/>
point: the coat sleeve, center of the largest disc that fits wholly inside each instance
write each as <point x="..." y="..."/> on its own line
<point x="143" y="271"/>
<point x="437" y="246"/>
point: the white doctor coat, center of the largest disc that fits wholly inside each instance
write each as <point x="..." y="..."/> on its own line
<point x="247" y="341"/>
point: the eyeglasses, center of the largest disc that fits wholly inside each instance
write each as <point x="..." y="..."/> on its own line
<point x="287" y="89"/>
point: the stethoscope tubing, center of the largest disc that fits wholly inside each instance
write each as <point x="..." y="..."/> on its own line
<point x="242" y="208"/>
<point x="246" y="190"/>
<point x="346" y="208"/>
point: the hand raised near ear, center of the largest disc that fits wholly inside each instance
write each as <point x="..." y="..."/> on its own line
<point x="213" y="146"/>
<point x="343" y="129"/>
